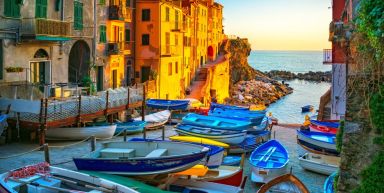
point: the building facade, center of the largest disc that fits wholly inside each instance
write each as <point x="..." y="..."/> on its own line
<point x="52" y="41"/>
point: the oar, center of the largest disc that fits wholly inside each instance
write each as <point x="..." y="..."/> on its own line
<point x="82" y="184"/>
<point x="47" y="187"/>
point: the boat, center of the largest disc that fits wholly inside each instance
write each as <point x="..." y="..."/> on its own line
<point x="268" y="161"/>
<point x="155" y="120"/>
<point x="326" y="123"/>
<point x="198" y="140"/>
<point x="142" y="158"/>
<point x="328" y="184"/>
<point x="130" y="127"/>
<point x="215" y="122"/>
<point x="225" y="136"/>
<point x="3" y="123"/>
<point x="287" y="183"/>
<point x="168" y="104"/>
<point x="128" y="182"/>
<point x="258" y="129"/>
<point x="323" y="164"/>
<point x="215" y="153"/>
<point x="80" y="133"/>
<point x="45" y="178"/>
<point x="183" y="185"/>
<point x="255" y="117"/>
<point x="202" y="173"/>
<point x="231" y="160"/>
<point x="250" y="143"/>
<point x="317" y="141"/>
<point x="324" y="126"/>
<point x="306" y="108"/>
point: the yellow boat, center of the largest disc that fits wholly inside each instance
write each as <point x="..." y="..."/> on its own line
<point x="198" y="140"/>
<point x="197" y="170"/>
<point x="258" y="107"/>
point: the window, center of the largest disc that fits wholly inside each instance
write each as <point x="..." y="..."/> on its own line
<point x="145" y="39"/>
<point x="58" y="5"/>
<point x="127" y="3"/>
<point x="103" y="34"/>
<point x="167" y="14"/>
<point x="145" y="15"/>
<point x="78" y="15"/>
<point x="11" y="8"/>
<point x="170" y="69"/>
<point x="176" y="20"/>
<point x="176" y="40"/>
<point x="41" y="9"/>
<point x="127" y="35"/>
<point x="102" y="2"/>
<point x="176" y="67"/>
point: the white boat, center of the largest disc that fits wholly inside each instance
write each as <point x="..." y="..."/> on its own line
<point x="41" y="178"/>
<point x="79" y="133"/>
<point x="155" y="120"/>
<point x="323" y="164"/>
<point x="182" y="185"/>
<point x="220" y="173"/>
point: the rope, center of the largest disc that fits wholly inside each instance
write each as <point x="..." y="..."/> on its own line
<point x="20" y="154"/>
<point x="64" y="146"/>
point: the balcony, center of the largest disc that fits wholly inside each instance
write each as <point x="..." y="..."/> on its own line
<point x="327" y="56"/>
<point x="114" y="48"/>
<point x="128" y="47"/>
<point x="45" y="29"/>
<point x="171" y="50"/>
<point x="116" y="12"/>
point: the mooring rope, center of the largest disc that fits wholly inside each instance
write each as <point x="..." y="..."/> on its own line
<point x="20" y="154"/>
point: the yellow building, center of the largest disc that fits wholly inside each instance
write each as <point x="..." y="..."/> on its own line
<point x="114" y="44"/>
<point x="215" y="29"/>
<point x="187" y="50"/>
<point x="159" y="46"/>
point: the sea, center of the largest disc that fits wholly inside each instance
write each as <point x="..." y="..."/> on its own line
<point x="288" y="108"/>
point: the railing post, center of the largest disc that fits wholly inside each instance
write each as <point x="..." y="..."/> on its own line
<point x="128" y="96"/>
<point x="125" y="135"/>
<point x="93" y="143"/>
<point x="163" y="132"/>
<point x="43" y="125"/>
<point x="79" y="112"/>
<point x="106" y="104"/>
<point x="46" y="153"/>
<point x="143" y="105"/>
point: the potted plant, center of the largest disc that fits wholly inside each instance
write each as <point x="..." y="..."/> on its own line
<point x="14" y="69"/>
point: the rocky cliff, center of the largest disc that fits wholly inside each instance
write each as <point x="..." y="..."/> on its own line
<point x="250" y="86"/>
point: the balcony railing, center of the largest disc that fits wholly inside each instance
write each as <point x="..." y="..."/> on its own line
<point x="327" y="56"/>
<point x="114" y="48"/>
<point x="45" y="27"/>
<point x="116" y="12"/>
<point x="171" y="50"/>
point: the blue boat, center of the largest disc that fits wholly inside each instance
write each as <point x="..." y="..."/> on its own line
<point x="255" y="117"/>
<point x="215" y="153"/>
<point x="328" y="184"/>
<point x="168" y="104"/>
<point x="258" y="129"/>
<point x="130" y="127"/>
<point x="331" y="124"/>
<point x="317" y="142"/>
<point x="231" y="160"/>
<point x="251" y="142"/>
<point x="142" y="158"/>
<point x="306" y="108"/>
<point x="225" y="136"/>
<point x="215" y="122"/>
<point x="268" y="161"/>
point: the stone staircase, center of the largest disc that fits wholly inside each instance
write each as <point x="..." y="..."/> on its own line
<point x="202" y="74"/>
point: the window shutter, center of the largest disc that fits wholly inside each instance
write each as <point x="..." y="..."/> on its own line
<point x="127" y="35"/>
<point x="38" y="9"/>
<point x="81" y="15"/>
<point x="58" y="5"/>
<point x="44" y="7"/>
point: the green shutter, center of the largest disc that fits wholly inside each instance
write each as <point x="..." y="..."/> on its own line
<point x="102" y="2"/>
<point x="58" y="5"/>
<point x="11" y="8"/>
<point x="81" y="15"/>
<point x="78" y="15"/>
<point x="41" y="9"/>
<point x="127" y="35"/>
<point x="103" y="34"/>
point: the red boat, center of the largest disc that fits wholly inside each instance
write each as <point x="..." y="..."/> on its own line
<point x="323" y="129"/>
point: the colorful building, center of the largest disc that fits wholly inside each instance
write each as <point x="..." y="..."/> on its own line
<point x="215" y="29"/>
<point x="114" y="62"/>
<point x="53" y="41"/>
<point x="159" y="46"/>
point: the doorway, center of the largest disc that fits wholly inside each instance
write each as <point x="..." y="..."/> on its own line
<point x="40" y="73"/>
<point x="145" y="73"/>
<point x="114" y="79"/>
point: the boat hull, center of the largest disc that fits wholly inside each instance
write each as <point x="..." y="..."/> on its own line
<point x="229" y="139"/>
<point x="318" y="140"/>
<point x="322" y="164"/>
<point x="199" y="186"/>
<point x="80" y="133"/>
<point x="250" y="143"/>
<point x="254" y="117"/>
<point x="167" y="104"/>
<point x="285" y="183"/>
<point x="328" y="184"/>
<point x="215" y="122"/>
<point x="130" y="127"/>
<point x="261" y="175"/>
<point x="323" y="129"/>
<point x="140" y="163"/>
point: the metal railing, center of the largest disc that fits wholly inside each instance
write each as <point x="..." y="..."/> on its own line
<point x="114" y="48"/>
<point x="40" y="26"/>
<point x="327" y="56"/>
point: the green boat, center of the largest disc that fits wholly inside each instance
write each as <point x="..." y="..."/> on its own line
<point x="128" y="182"/>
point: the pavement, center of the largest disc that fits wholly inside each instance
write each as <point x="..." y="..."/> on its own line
<point x="62" y="156"/>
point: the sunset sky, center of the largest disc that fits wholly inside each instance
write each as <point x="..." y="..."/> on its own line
<point x="279" y="24"/>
